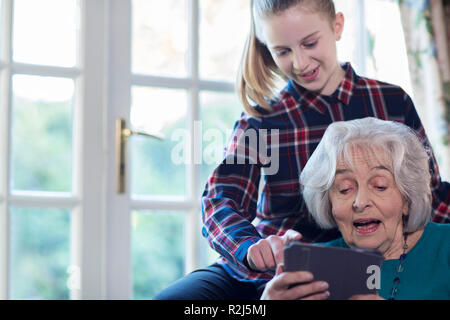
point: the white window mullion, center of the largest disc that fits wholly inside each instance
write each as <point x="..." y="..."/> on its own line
<point x="362" y="34"/>
<point x="193" y="254"/>
<point x="181" y="83"/>
<point x="41" y="200"/>
<point x="157" y="81"/>
<point x="89" y="170"/>
<point x="47" y="71"/>
<point x="160" y="204"/>
<point x="5" y="145"/>
<point x="5" y="130"/>
<point x="118" y="222"/>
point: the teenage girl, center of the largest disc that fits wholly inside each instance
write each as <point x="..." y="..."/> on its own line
<point x="246" y="222"/>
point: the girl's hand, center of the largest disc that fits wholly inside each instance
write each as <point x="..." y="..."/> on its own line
<point x="281" y="287"/>
<point x="267" y="253"/>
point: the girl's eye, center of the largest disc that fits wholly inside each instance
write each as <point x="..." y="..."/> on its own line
<point x="281" y="53"/>
<point x="310" y="44"/>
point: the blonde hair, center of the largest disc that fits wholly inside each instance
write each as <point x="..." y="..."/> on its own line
<point x="258" y="72"/>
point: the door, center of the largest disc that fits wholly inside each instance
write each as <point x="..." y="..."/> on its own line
<point x="172" y="67"/>
<point x="69" y="70"/>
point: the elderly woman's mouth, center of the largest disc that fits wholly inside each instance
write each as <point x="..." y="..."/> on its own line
<point x="366" y="226"/>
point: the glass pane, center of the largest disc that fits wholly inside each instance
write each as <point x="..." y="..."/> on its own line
<point x="348" y="45"/>
<point x="45" y="32"/>
<point x="159" y="37"/>
<point x="40" y="253"/>
<point x="387" y="59"/>
<point x="158" y="167"/>
<point x="224" y="26"/>
<point x="219" y="111"/>
<point x="42" y="134"/>
<point x="2" y="33"/>
<point x="157" y="251"/>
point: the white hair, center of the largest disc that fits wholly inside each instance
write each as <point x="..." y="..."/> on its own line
<point x="409" y="164"/>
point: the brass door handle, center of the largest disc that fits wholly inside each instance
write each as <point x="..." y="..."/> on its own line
<point x="127" y="133"/>
<point x="122" y="134"/>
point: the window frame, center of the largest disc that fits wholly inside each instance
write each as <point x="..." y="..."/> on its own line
<point x="86" y="211"/>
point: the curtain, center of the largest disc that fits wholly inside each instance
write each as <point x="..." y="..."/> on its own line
<point x="426" y="26"/>
<point x="440" y="18"/>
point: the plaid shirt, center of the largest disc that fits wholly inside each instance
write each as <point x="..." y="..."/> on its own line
<point x="233" y="218"/>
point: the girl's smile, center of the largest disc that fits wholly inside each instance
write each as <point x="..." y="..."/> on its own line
<point x="310" y="76"/>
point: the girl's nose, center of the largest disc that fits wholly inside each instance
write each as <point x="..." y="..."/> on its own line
<point x="301" y="62"/>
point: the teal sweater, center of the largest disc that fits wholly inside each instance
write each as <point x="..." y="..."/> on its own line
<point x="426" y="273"/>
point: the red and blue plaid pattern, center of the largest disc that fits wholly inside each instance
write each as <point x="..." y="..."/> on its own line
<point x="234" y="219"/>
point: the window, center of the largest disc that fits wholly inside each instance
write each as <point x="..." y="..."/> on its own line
<point x="367" y="41"/>
<point x="39" y="76"/>
<point x="44" y="72"/>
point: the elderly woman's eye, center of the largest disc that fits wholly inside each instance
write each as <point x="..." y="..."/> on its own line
<point x="344" y="191"/>
<point x="380" y="188"/>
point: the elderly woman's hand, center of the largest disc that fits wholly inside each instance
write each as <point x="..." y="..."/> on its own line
<point x="294" y="286"/>
<point x="267" y="253"/>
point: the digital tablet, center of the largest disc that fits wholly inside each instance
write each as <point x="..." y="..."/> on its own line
<point x="347" y="271"/>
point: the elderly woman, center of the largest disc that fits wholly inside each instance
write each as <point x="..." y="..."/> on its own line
<point x="371" y="179"/>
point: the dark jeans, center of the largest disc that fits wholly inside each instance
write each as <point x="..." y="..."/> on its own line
<point x="211" y="283"/>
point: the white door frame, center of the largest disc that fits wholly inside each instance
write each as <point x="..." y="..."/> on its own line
<point x="118" y="241"/>
<point x="88" y="227"/>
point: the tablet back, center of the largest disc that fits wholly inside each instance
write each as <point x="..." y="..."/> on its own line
<point x="347" y="271"/>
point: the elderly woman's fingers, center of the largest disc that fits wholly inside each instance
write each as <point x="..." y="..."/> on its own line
<point x="286" y="280"/>
<point x="298" y="285"/>
<point x="281" y="286"/>
<point x="320" y="296"/>
<point x="310" y="291"/>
